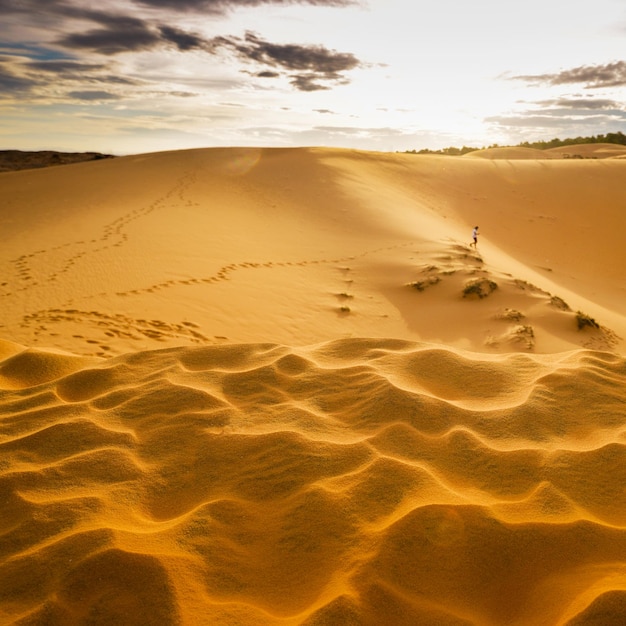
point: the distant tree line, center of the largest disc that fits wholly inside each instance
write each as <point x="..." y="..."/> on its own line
<point x="618" y="138"/>
<point x="449" y="151"/>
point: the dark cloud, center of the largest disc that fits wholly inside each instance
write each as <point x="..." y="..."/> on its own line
<point x="9" y="7"/>
<point x="290" y="56"/>
<point x="307" y="67"/>
<point x="42" y="11"/>
<point x="182" y="40"/>
<point x="13" y="84"/>
<point x="220" y="7"/>
<point x="314" y="65"/>
<point x="591" y="76"/>
<point x="64" y="68"/>
<point x="117" y="33"/>
<point x="307" y="82"/>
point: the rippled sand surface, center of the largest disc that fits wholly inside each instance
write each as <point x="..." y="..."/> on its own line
<point x="349" y="482"/>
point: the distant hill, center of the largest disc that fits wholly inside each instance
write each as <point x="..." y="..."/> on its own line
<point x="13" y="160"/>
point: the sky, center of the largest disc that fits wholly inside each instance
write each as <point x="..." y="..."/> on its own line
<point x="134" y="76"/>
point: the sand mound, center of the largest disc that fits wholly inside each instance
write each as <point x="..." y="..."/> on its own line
<point x="590" y="151"/>
<point x="513" y="153"/>
<point x="576" y="151"/>
<point x="357" y="481"/>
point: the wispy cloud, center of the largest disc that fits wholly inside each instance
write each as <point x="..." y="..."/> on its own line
<point x="12" y="84"/>
<point x="223" y="6"/>
<point x="93" y="96"/>
<point x="583" y="104"/>
<point x="57" y="80"/>
<point x="216" y="7"/>
<point x="590" y="76"/>
<point x="561" y="117"/>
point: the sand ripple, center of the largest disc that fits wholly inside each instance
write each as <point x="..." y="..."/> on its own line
<point x="351" y="482"/>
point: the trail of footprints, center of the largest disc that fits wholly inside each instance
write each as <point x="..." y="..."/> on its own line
<point x="113" y="236"/>
<point x="224" y="274"/>
<point x="30" y="270"/>
<point x="107" y="327"/>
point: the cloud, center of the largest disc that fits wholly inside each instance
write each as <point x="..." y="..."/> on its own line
<point x="307" y="82"/>
<point x="311" y="64"/>
<point x="40" y="12"/>
<point x="591" y="76"/>
<point x="290" y="56"/>
<point x="582" y="103"/>
<point x="12" y="84"/>
<point x="374" y="131"/>
<point x="314" y="67"/>
<point x="64" y="67"/>
<point x="117" y="33"/>
<point x="219" y="7"/>
<point x="73" y="28"/>
<point x="42" y="81"/>
<point x="91" y="96"/>
<point x="182" y="40"/>
<point x="565" y="120"/>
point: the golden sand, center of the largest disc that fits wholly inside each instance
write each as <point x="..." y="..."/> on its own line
<point x="278" y="387"/>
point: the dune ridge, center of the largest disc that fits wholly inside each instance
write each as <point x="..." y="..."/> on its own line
<point x="363" y="481"/>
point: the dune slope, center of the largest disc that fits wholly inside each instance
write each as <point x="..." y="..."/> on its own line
<point x="354" y="481"/>
<point x="305" y="245"/>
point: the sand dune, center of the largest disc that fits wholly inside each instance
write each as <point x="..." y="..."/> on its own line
<point x="307" y="245"/>
<point x="354" y="481"/>
<point x="278" y="387"/>
<point x="576" y="151"/>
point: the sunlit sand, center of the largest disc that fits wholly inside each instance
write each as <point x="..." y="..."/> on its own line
<point x="279" y="387"/>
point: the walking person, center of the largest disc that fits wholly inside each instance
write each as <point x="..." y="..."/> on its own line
<point x="475" y="237"/>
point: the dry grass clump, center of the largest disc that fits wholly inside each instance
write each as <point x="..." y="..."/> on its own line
<point x="559" y="303"/>
<point x="479" y="287"/>
<point x="421" y="285"/>
<point x="583" y="321"/>
<point x="510" y="315"/>
<point x="524" y="335"/>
